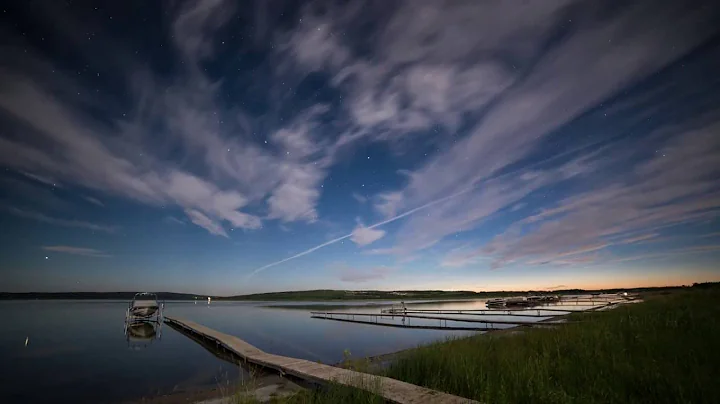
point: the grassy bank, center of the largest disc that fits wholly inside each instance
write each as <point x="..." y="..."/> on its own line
<point x="331" y="394"/>
<point x="664" y="350"/>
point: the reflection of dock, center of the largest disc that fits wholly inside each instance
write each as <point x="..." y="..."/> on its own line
<point x="210" y="346"/>
<point x="390" y="389"/>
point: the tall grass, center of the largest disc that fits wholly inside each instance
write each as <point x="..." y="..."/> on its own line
<point x="666" y="350"/>
<point x="336" y="393"/>
<point x="332" y="393"/>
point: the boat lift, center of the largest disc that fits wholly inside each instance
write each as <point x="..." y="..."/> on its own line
<point x="144" y="318"/>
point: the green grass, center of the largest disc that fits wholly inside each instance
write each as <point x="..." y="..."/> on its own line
<point x="332" y="393"/>
<point x="664" y="350"/>
<point x="336" y="393"/>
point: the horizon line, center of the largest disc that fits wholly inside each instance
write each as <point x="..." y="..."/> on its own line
<point x="387" y="291"/>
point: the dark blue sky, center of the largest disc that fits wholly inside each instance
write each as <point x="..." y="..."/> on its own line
<point x="228" y="147"/>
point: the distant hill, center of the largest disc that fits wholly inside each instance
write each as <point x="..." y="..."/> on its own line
<point x="92" y="296"/>
<point x="327" y="294"/>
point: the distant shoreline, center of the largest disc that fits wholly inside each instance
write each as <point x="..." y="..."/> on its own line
<point x="312" y="295"/>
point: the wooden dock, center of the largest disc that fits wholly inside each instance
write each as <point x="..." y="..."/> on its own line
<point x="488" y="324"/>
<point x="547" y="320"/>
<point x="486" y="327"/>
<point x="521" y="312"/>
<point x="391" y="390"/>
<point x="470" y="313"/>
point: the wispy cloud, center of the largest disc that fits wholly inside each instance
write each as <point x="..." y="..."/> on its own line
<point x="127" y="155"/>
<point x="566" y="82"/>
<point x="674" y="187"/>
<point x="495" y="87"/>
<point x="173" y="220"/>
<point x="206" y="223"/>
<point x="35" y="195"/>
<point x="341" y="238"/>
<point x="87" y="252"/>
<point x="359" y="198"/>
<point x="673" y="252"/>
<point x="642" y="237"/>
<point x="42" y="179"/>
<point x="363" y="236"/>
<point x="418" y="77"/>
<point x="94" y="201"/>
<point x="62" y="222"/>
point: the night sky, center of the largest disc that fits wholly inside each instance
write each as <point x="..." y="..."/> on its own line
<point x="232" y="147"/>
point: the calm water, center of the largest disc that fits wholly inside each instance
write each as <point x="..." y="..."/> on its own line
<point x="78" y="352"/>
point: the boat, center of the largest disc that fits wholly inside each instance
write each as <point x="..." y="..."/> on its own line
<point x="518" y="302"/>
<point x="143" y="319"/>
<point x="495" y="303"/>
<point x="540" y="299"/>
<point x="144" y="305"/>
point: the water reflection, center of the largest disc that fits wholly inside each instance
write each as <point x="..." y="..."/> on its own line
<point x="77" y="353"/>
<point x="248" y="372"/>
<point x="141" y="334"/>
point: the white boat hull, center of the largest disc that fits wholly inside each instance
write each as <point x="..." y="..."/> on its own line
<point x="144" y="311"/>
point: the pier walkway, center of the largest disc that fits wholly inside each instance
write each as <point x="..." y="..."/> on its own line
<point x="390" y="389"/>
<point x="442" y="325"/>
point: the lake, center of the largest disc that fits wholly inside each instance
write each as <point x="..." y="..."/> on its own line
<point x="77" y="350"/>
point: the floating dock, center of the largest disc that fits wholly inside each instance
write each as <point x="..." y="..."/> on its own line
<point x="504" y="313"/>
<point x="391" y="390"/>
<point x="441" y="315"/>
<point x="521" y="312"/>
<point x="487" y="324"/>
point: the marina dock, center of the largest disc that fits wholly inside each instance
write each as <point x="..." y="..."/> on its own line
<point x="442" y="325"/>
<point x="520" y="312"/>
<point x="546" y="320"/>
<point x="391" y="390"/>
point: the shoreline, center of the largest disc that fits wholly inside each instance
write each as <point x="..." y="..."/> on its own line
<point x="215" y="394"/>
<point x="371" y="364"/>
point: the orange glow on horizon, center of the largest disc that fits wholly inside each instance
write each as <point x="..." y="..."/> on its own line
<point x="629" y="282"/>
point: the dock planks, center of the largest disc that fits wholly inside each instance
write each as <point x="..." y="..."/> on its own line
<point x="329" y="316"/>
<point x="412" y="326"/>
<point x="392" y="390"/>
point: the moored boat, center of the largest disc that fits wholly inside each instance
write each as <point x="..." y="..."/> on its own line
<point x="495" y="303"/>
<point x="144" y="305"/>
